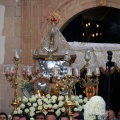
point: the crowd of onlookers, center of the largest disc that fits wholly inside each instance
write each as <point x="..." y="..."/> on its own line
<point x="110" y="115"/>
<point x="41" y="116"/>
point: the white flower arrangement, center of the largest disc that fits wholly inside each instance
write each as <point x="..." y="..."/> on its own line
<point x="30" y="106"/>
<point x="95" y="107"/>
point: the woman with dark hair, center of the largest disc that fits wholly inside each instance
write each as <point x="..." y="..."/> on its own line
<point x="64" y="117"/>
<point x="16" y="117"/>
<point x="51" y="116"/>
<point x="39" y="116"/>
<point x="3" y="116"/>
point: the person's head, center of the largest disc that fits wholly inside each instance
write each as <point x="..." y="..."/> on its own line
<point x="52" y="79"/>
<point x="16" y="117"/>
<point x="80" y="117"/>
<point x="77" y="115"/>
<point x="39" y="116"/>
<point x="110" y="114"/>
<point x="23" y="117"/>
<point x="3" y="116"/>
<point x="64" y="117"/>
<point x="51" y="116"/>
<point x="118" y="114"/>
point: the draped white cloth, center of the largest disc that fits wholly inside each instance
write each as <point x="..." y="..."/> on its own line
<point x="98" y="53"/>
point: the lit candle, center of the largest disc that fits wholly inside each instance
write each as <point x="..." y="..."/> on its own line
<point x="17" y="53"/>
<point x="12" y="69"/>
<point x="67" y="57"/>
<point x="87" y="56"/>
<point x="76" y="72"/>
<point x="97" y="71"/>
<point x="37" y="68"/>
<point x="7" y="70"/>
<point x="69" y="71"/>
<point x="89" y="72"/>
<point x="28" y="70"/>
<point x="24" y="70"/>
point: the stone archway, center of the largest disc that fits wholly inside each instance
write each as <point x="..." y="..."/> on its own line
<point x="68" y="10"/>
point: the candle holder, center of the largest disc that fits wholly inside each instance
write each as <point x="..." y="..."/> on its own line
<point x="70" y="82"/>
<point x="91" y="77"/>
<point x="11" y="74"/>
<point x="12" y="77"/>
<point x="72" y="77"/>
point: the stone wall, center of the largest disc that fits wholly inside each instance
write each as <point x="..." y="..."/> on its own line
<point x="10" y="31"/>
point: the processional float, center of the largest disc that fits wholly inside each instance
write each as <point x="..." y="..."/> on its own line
<point x="53" y="57"/>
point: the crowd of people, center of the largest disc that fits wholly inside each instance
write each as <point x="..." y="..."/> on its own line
<point x="41" y="116"/>
<point x="110" y="115"/>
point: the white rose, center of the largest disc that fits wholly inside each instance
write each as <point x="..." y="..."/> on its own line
<point x="85" y="99"/>
<point x="75" y="109"/>
<point x="33" y="96"/>
<point x="48" y="96"/>
<point x="37" y="111"/>
<point x="48" y="101"/>
<point x="49" y="105"/>
<point x="43" y="97"/>
<point x="83" y="106"/>
<point x="26" y="110"/>
<point x="76" y="103"/>
<point x="32" y="109"/>
<point x="45" y="100"/>
<point x="32" y="113"/>
<point x="54" y="97"/>
<point x="72" y="97"/>
<point x="45" y="112"/>
<point x="53" y="101"/>
<point x="18" y="108"/>
<point x="39" y="102"/>
<point x="19" y="112"/>
<point x="80" y="101"/>
<point x="39" y="107"/>
<point x="45" y="106"/>
<point x="80" y="96"/>
<point x="29" y="104"/>
<point x="55" y="106"/>
<point x="58" y="112"/>
<point x="52" y="110"/>
<point x="63" y="109"/>
<point x="34" y="104"/>
<point x="79" y="108"/>
<point x="61" y="103"/>
<point x="25" y="100"/>
<point x="15" y="112"/>
<point x="33" y="99"/>
<point x="60" y="98"/>
<point x="32" y="118"/>
<point x="22" y="106"/>
<point x="30" y="99"/>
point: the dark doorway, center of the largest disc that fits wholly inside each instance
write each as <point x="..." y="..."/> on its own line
<point x="97" y="25"/>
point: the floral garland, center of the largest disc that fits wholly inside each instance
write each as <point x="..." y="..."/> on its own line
<point x="30" y="106"/>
